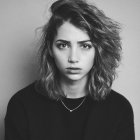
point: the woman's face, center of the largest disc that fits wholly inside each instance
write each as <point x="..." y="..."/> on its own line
<point x="73" y="52"/>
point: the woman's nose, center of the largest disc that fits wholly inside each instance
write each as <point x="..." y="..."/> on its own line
<point x="73" y="56"/>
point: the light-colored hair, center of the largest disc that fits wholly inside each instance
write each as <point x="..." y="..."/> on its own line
<point x="104" y="35"/>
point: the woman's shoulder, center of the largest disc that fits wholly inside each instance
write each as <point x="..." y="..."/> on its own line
<point x="117" y="97"/>
<point x="28" y="95"/>
<point x="25" y="92"/>
<point x="118" y="101"/>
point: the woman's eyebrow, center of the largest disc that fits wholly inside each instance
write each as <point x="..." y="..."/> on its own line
<point x="61" y="40"/>
<point x="83" y="41"/>
<point x="65" y="41"/>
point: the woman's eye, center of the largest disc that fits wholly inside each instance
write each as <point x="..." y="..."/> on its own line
<point x="61" y="45"/>
<point x="86" y="46"/>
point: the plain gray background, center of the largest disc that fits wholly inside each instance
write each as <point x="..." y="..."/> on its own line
<point x="19" y="19"/>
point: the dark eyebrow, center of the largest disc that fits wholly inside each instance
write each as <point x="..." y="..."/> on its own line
<point x="68" y="42"/>
<point x="61" y="40"/>
<point x="84" y="41"/>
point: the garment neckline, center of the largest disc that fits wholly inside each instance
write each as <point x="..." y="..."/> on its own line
<point x="75" y="99"/>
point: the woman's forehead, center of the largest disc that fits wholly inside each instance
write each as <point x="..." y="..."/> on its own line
<point x="68" y="31"/>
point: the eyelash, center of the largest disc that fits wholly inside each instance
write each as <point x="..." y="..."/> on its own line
<point x="65" y="45"/>
<point x="61" y="45"/>
<point x="86" y="46"/>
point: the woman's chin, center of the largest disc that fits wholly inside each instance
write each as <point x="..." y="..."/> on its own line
<point x="75" y="77"/>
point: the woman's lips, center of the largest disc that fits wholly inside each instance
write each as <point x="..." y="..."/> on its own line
<point x="73" y="70"/>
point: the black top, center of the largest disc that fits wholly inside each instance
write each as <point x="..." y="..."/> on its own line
<point x="75" y="121"/>
<point x="33" y="116"/>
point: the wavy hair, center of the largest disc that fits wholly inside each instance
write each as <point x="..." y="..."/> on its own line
<point x="104" y="34"/>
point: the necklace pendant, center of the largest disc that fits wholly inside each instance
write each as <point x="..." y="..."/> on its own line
<point x="71" y="110"/>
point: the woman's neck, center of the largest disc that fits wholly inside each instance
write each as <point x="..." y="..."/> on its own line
<point x="74" y="89"/>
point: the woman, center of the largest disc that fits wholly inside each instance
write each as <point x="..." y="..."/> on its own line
<point x="73" y="100"/>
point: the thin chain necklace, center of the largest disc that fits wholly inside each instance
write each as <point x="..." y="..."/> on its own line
<point x="71" y="110"/>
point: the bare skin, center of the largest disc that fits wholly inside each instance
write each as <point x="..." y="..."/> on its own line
<point x="74" y="55"/>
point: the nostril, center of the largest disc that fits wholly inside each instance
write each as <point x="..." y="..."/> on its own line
<point x="72" y="60"/>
